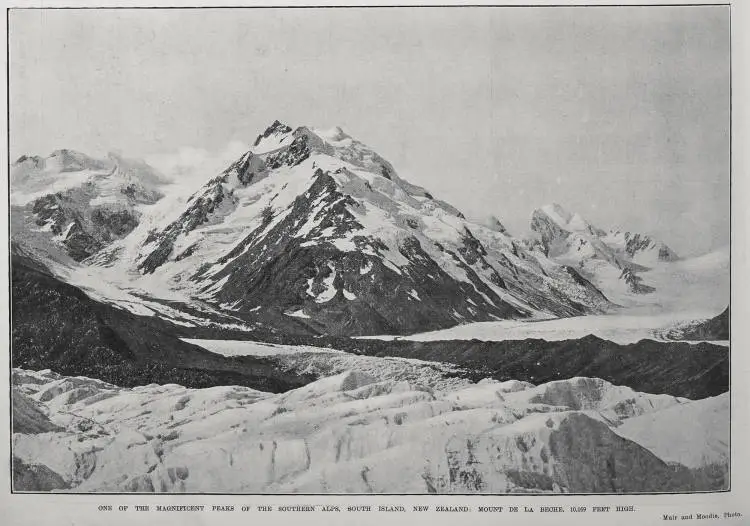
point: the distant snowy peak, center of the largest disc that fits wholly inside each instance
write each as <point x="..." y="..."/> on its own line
<point x="83" y="203"/>
<point x="554" y="218"/>
<point x="494" y="223"/>
<point x="612" y="260"/>
<point x="32" y="161"/>
<point x="554" y="224"/>
<point x="32" y="170"/>
<point x="34" y="176"/>
<point x="634" y="243"/>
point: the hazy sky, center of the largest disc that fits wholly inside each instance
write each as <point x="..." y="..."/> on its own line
<point x="619" y="113"/>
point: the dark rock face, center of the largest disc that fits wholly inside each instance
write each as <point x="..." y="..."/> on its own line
<point x="82" y="230"/>
<point x="636" y="242"/>
<point x="666" y="254"/>
<point x="635" y="282"/>
<point x="593" y="459"/>
<point x="297" y="152"/>
<point x="35" y="160"/>
<point x="119" y="223"/>
<point x="56" y="326"/>
<point x="139" y="194"/>
<point x="158" y="256"/>
<point x="35" y="477"/>
<point x="549" y="231"/>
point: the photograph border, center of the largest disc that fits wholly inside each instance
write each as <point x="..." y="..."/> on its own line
<point x="431" y="496"/>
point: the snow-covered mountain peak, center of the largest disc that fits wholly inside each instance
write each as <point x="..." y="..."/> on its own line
<point x="71" y="161"/>
<point x="78" y="204"/>
<point x="59" y="161"/>
<point x="633" y="243"/>
<point x="333" y="150"/>
<point x="565" y="220"/>
<point x="557" y="213"/>
<point x="275" y="133"/>
<point x="35" y="161"/>
<point x="335" y="134"/>
<point x="611" y="260"/>
<point x="493" y="223"/>
<point x="313" y="224"/>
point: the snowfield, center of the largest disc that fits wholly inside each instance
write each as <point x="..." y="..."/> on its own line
<point x="354" y="433"/>
<point x="622" y="329"/>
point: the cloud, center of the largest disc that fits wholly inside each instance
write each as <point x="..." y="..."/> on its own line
<point x="191" y="167"/>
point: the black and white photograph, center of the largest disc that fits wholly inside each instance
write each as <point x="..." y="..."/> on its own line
<point x="370" y="250"/>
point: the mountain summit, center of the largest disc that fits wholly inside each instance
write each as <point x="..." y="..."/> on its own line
<point x="315" y="231"/>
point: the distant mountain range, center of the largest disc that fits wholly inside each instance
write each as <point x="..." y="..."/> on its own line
<point x="612" y="260"/>
<point x="313" y="232"/>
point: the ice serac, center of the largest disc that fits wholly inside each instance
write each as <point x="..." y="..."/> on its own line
<point x="78" y="204"/>
<point x="615" y="261"/>
<point x="352" y="433"/>
<point x="705" y="444"/>
<point x="312" y="230"/>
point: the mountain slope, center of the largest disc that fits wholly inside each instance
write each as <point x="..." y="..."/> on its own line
<point x="613" y="261"/>
<point x="70" y="204"/>
<point x="315" y="226"/>
<point x="57" y="326"/>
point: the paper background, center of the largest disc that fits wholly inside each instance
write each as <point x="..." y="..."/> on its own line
<point x="83" y="509"/>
